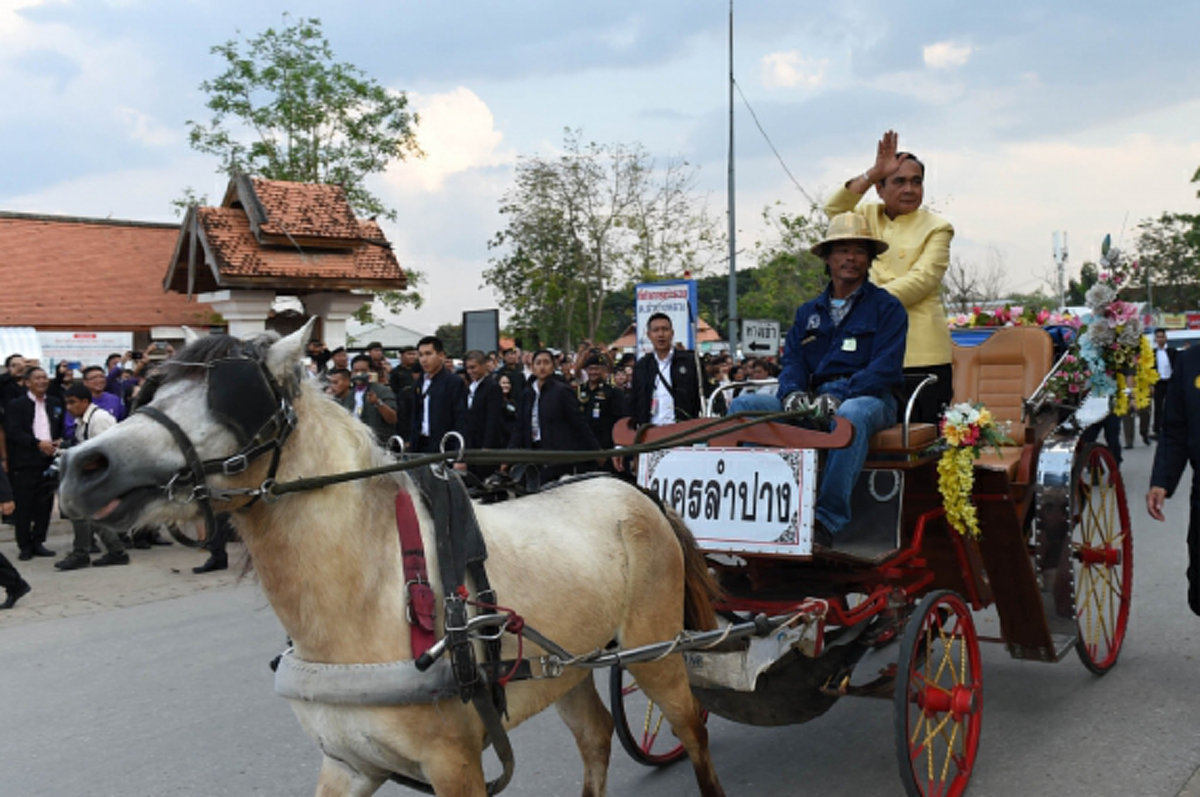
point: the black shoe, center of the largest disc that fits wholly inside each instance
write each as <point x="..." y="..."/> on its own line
<point x="25" y="556"/>
<point x="123" y="536"/>
<point x="1145" y="440"/>
<point x="112" y="558"/>
<point x="141" y="542"/>
<point x="214" y="562"/>
<point x="95" y="548"/>
<point x="73" y="561"/>
<point x="14" y="595"/>
<point x="42" y="550"/>
<point x="822" y="537"/>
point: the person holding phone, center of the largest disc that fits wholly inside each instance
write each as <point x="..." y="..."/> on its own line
<point x="372" y="403"/>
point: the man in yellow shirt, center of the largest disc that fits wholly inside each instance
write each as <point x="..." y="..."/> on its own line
<point x="912" y="268"/>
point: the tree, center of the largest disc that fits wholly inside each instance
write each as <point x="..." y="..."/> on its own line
<point x="451" y="336"/>
<point x="967" y="285"/>
<point x="1077" y="289"/>
<point x="1168" y="254"/>
<point x="787" y="274"/>
<point x="582" y="223"/>
<point x="284" y="109"/>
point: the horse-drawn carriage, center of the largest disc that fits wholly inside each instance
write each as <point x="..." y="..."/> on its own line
<point x="1054" y="559"/>
<point x="318" y="507"/>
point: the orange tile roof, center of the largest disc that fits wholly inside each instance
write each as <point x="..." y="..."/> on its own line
<point x="239" y="254"/>
<point x="305" y="209"/>
<point x="62" y="272"/>
<point x="288" y="236"/>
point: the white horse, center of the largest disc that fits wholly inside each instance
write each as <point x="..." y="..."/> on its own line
<point x="585" y="564"/>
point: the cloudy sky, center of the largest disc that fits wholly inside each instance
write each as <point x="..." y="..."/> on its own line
<point x="1031" y="116"/>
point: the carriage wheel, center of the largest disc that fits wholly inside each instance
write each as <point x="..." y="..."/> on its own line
<point x="939" y="698"/>
<point x="642" y="728"/>
<point x="1102" y="549"/>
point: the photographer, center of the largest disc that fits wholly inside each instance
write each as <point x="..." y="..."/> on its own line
<point x="372" y="403"/>
<point x="90" y="421"/>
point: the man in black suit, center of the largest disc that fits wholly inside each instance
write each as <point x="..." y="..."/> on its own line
<point x="485" y="410"/>
<point x="402" y="381"/>
<point x="1164" y="362"/>
<point x="550" y="420"/>
<point x="441" y="399"/>
<point x="666" y="385"/>
<point x="33" y="425"/>
<point x="1179" y="445"/>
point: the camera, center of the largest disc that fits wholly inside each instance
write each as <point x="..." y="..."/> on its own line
<point x="360" y="379"/>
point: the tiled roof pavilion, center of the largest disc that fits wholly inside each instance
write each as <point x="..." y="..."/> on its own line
<point x="281" y="236"/>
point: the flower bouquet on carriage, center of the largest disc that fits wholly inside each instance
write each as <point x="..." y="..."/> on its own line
<point x="967" y="429"/>
<point x="1112" y="359"/>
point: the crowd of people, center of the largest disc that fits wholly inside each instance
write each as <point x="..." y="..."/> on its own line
<point x="856" y="350"/>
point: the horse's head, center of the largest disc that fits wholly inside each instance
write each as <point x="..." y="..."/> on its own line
<point x="202" y="417"/>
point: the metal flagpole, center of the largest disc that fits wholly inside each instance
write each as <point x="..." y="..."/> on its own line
<point x="733" y="297"/>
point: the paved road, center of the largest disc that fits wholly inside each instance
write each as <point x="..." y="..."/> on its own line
<point x="150" y="681"/>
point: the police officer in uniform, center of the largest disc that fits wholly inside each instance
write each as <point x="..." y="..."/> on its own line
<point x="601" y="404"/>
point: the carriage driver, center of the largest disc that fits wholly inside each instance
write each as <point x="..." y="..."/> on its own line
<point x="848" y="345"/>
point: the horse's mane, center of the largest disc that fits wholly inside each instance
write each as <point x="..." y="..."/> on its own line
<point x="190" y="362"/>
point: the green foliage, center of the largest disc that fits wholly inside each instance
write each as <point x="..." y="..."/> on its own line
<point x="452" y="338"/>
<point x="1168" y="253"/>
<point x="284" y="109"/>
<point x="190" y="197"/>
<point x="787" y="274"/>
<point x="579" y="224"/>
<point x="1077" y="289"/>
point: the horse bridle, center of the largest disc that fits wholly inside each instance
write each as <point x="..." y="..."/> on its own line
<point x="266" y="400"/>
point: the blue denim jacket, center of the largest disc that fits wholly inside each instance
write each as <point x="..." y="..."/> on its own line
<point x="863" y="356"/>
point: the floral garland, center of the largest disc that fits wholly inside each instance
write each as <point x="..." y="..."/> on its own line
<point x="1070" y="382"/>
<point x="967" y="428"/>
<point x="1011" y="315"/>
<point x="1113" y="343"/>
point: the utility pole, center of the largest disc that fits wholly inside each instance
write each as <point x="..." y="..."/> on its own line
<point x="1060" y="258"/>
<point x="733" y="297"/>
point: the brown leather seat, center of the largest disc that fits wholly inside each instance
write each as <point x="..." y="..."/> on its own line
<point x="1001" y="373"/>
<point x="919" y="435"/>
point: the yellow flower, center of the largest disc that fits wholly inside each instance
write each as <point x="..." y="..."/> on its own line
<point x="985" y="416"/>
<point x="953" y="435"/>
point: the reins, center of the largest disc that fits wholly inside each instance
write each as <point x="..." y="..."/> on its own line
<point x="271" y="490"/>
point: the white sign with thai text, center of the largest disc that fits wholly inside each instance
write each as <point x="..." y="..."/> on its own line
<point x="84" y="348"/>
<point x="738" y="500"/>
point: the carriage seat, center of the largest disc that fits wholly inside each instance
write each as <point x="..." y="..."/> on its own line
<point x="892" y="438"/>
<point x="1001" y="373"/>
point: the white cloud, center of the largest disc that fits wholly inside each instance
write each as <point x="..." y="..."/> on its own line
<point x="945" y="55"/>
<point x="145" y="128"/>
<point x="457" y="133"/>
<point x="790" y="69"/>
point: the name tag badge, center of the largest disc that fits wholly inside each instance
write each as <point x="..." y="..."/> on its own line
<point x="850" y="344"/>
<point x="596" y="412"/>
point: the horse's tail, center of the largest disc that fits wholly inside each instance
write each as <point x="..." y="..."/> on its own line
<point x="700" y="588"/>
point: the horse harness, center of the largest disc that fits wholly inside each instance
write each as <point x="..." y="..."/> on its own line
<point x="245" y="397"/>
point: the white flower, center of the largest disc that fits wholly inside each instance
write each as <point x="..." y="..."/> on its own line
<point x="1100" y="296"/>
<point x="1101" y="332"/>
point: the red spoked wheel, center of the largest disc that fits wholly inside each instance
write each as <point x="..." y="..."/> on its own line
<point x="1102" y="550"/>
<point x="642" y="728"/>
<point x="939" y="698"/>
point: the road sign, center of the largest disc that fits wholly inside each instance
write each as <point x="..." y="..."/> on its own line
<point x="760" y="338"/>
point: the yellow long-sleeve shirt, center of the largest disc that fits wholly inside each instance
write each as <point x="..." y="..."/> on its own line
<point x="911" y="270"/>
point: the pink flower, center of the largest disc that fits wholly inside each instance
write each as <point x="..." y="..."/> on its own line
<point x="1074" y="388"/>
<point x="1043" y="315"/>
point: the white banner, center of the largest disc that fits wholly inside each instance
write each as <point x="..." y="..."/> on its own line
<point x="676" y="299"/>
<point x="738" y="500"/>
<point x="85" y="348"/>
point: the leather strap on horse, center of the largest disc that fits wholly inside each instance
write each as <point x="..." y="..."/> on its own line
<point x="461" y="549"/>
<point x="421" y="601"/>
<point x="194" y="464"/>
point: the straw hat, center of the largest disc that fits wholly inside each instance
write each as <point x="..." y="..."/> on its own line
<point x="848" y="226"/>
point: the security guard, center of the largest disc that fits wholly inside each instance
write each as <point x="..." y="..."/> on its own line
<point x="600" y="402"/>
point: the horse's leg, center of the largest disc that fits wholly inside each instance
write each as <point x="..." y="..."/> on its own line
<point x="454" y="770"/>
<point x="338" y="780"/>
<point x="666" y="683"/>
<point x="584" y="713"/>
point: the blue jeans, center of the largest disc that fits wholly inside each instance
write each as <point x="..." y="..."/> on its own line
<point x="870" y="415"/>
